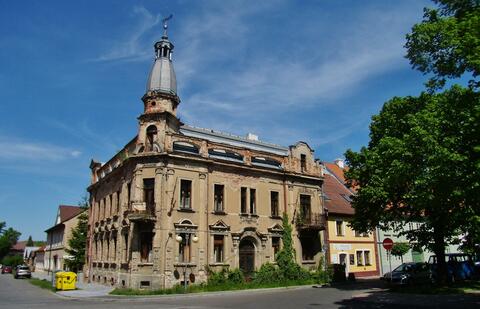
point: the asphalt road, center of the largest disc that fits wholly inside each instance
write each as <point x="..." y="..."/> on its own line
<point x="21" y="294"/>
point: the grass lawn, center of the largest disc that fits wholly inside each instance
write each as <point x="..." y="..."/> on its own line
<point x="208" y="288"/>
<point x="457" y="288"/>
<point x="44" y="284"/>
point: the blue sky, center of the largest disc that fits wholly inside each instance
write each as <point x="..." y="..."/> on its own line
<point x="72" y="74"/>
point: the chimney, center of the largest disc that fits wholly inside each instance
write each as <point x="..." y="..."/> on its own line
<point x="252" y="137"/>
<point x="340" y="163"/>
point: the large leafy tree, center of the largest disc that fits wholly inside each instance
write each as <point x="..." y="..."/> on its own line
<point x="78" y="242"/>
<point x="446" y="44"/>
<point x="8" y="238"/>
<point x="421" y="165"/>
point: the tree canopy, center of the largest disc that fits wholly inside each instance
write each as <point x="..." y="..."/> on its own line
<point x="8" y="238"/>
<point x="446" y="43"/>
<point x="422" y="165"/>
<point x="78" y="242"/>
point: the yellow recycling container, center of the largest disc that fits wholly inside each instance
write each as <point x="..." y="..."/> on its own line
<point x="59" y="280"/>
<point x="66" y="280"/>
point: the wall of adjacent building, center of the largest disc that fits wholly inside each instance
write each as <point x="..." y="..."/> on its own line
<point x="350" y="244"/>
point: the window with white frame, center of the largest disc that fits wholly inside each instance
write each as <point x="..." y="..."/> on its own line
<point x="339" y="228"/>
<point x="363" y="258"/>
<point x="218" y="245"/>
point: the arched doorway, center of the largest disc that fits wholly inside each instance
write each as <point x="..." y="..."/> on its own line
<point x="247" y="256"/>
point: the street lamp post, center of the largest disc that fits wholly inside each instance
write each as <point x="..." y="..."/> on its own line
<point x="179" y="239"/>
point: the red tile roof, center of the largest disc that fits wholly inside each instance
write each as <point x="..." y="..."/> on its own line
<point x="337" y="196"/>
<point x="336" y="171"/>
<point x="68" y="212"/>
<point x="19" y="246"/>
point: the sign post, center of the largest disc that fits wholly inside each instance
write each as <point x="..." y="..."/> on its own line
<point x="388" y="245"/>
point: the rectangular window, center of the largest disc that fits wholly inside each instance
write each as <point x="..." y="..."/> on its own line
<point x="125" y="247"/>
<point x="184" y="248"/>
<point x="114" y="251"/>
<point x="275" y="246"/>
<point x="110" y="206"/>
<point x="274" y="203"/>
<point x="352" y="259"/>
<point x="218" y="197"/>
<point x="359" y="258"/>
<point x="218" y="248"/>
<point x="339" y="228"/>
<point x="243" y="200"/>
<point x="149" y="193"/>
<point x="104" y="208"/>
<point x="186" y="194"/>
<point x="129" y="193"/>
<point x="367" y="257"/>
<point x="303" y="162"/>
<point x="305" y="208"/>
<point x="253" y="201"/>
<point x="146" y="239"/>
<point x="118" y="202"/>
<point x="358" y="234"/>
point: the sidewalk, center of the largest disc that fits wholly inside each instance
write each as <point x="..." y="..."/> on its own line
<point x="83" y="289"/>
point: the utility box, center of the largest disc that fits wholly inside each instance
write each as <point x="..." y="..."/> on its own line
<point x="66" y="280"/>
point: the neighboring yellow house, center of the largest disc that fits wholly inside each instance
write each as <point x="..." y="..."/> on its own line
<point x="345" y="246"/>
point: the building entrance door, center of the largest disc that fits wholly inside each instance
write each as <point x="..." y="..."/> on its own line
<point x="343" y="261"/>
<point x="247" y="256"/>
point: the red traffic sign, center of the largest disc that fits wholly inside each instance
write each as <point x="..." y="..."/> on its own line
<point x="387" y="244"/>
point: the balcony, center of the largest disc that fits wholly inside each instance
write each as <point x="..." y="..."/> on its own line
<point x="141" y="212"/>
<point x="310" y="222"/>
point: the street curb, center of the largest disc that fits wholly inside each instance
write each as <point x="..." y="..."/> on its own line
<point x="189" y="295"/>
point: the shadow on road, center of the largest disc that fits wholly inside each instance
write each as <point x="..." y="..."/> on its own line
<point x="375" y="294"/>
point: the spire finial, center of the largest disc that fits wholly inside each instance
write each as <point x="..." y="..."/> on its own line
<point x="165" y="24"/>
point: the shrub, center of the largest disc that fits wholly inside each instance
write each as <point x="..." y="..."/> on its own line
<point x="268" y="273"/>
<point x="12" y="260"/>
<point x="236" y="276"/>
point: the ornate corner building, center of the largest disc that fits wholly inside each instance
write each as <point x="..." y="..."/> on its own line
<point x="177" y="200"/>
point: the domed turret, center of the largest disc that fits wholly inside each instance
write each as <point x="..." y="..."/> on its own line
<point x="162" y="76"/>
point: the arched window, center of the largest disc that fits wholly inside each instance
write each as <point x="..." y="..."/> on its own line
<point x="151" y="136"/>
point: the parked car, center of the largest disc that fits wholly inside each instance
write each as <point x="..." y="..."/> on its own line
<point x="409" y="273"/>
<point x="22" y="271"/>
<point x="7" y="270"/>
<point x="460" y="266"/>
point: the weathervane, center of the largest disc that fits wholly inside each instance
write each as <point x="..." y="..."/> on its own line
<point x="165" y="24"/>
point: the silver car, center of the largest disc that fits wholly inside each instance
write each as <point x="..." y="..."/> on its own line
<point x="22" y="271"/>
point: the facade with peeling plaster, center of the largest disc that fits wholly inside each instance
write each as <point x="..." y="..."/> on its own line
<point x="179" y="200"/>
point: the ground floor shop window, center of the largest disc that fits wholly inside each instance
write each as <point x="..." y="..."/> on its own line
<point x="363" y="258"/>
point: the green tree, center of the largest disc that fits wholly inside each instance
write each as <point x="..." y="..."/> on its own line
<point x="421" y="165"/>
<point x="8" y="238"/>
<point x="78" y="242"/>
<point x="446" y="44"/>
<point x="400" y="249"/>
<point x="30" y="242"/>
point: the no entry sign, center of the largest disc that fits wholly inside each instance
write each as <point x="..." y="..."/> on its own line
<point x="387" y="244"/>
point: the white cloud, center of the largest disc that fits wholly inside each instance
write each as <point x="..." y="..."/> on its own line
<point x="131" y="47"/>
<point x="13" y="149"/>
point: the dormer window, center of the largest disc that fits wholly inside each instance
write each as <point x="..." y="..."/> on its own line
<point x="185" y="147"/>
<point x="266" y="162"/>
<point x="225" y="155"/>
